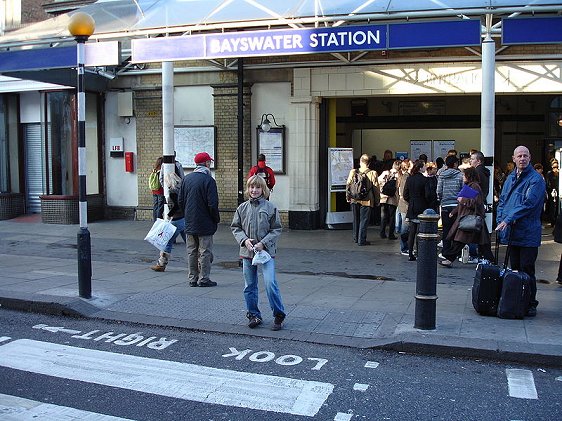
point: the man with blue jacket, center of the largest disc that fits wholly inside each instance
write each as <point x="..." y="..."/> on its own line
<point x="519" y="210"/>
<point x="199" y="198"/>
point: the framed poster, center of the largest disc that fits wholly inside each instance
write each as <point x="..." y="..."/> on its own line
<point x="418" y="147"/>
<point x="272" y="145"/>
<point x="341" y="163"/>
<point x="190" y="140"/>
<point x="441" y="147"/>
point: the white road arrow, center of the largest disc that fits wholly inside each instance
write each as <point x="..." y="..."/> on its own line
<point x="55" y="329"/>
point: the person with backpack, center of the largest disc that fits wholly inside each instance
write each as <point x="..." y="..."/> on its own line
<point x="155" y="185"/>
<point x="263" y="171"/>
<point x="388" y="182"/>
<point x="362" y="193"/>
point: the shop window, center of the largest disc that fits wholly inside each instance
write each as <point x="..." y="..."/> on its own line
<point x="9" y="158"/>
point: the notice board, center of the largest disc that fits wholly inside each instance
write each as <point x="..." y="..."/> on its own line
<point x="190" y="140"/>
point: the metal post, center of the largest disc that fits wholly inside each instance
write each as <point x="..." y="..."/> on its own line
<point x="426" y="279"/>
<point x="168" y="147"/>
<point x="240" y="130"/>
<point x="83" y="240"/>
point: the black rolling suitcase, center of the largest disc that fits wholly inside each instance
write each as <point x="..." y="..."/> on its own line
<point x="487" y="287"/>
<point x="515" y="295"/>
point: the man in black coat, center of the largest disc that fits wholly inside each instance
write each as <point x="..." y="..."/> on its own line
<point x="199" y="198"/>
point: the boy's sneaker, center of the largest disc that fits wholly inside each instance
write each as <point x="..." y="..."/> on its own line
<point x="472" y="260"/>
<point x="254" y="322"/>
<point x="405" y="253"/>
<point x="278" y="323"/>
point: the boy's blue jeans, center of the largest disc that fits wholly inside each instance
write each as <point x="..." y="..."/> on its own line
<point x="251" y="288"/>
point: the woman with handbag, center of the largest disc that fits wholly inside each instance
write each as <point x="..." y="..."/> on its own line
<point x="469" y="224"/>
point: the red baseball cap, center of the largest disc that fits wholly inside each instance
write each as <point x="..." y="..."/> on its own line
<point x="202" y="157"/>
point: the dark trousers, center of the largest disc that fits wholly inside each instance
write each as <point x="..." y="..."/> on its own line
<point x="457" y="246"/>
<point x="388" y="219"/>
<point x="559" y="277"/>
<point x="158" y="206"/>
<point x="361" y="215"/>
<point x="523" y="259"/>
<point x="446" y="222"/>
<point x="412" y="236"/>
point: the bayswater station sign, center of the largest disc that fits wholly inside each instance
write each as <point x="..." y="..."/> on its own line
<point x="308" y="41"/>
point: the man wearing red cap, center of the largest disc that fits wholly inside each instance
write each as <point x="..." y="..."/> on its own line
<point x="199" y="198"/>
<point x="263" y="171"/>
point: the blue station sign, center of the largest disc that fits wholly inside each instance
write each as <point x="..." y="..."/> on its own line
<point x="546" y="30"/>
<point x="308" y="41"/>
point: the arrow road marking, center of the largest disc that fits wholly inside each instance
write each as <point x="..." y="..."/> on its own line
<point x="168" y="378"/>
<point x="16" y="408"/>
<point x="521" y="384"/>
<point x="54" y="329"/>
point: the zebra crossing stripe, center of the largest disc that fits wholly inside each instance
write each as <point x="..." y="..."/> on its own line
<point x="16" y="408"/>
<point x="521" y="384"/>
<point x="168" y="378"/>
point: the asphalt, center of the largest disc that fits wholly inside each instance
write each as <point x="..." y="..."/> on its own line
<point x="334" y="292"/>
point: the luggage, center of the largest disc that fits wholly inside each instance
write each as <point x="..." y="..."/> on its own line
<point x="486" y="289"/>
<point x="515" y="295"/>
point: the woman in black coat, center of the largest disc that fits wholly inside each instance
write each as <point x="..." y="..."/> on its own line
<point x="419" y="195"/>
<point x="557" y="233"/>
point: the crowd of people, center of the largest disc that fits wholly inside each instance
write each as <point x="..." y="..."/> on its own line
<point x="458" y="190"/>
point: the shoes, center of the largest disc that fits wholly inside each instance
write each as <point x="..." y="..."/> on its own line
<point x="559" y="282"/>
<point x="412" y="258"/>
<point x="440" y="255"/>
<point x="207" y="284"/>
<point x="193" y="284"/>
<point x="392" y="237"/>
<point x="404" y="253"/>
<point x="278" y="323"/>
<point x="531" y="312"/>
<point x="440" y="244"/>
<point x="472" y="260"/>
<point x="254" y="322"/>
<point x="446" y="263"/>
<point x="158" y="268"/>
<point x="383" y="235"/>
<point x="366" y="243"/>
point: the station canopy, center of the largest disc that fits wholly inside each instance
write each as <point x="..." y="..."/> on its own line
<point x="126" y="19"/>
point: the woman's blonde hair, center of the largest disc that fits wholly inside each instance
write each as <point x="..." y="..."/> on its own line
<point x="172" y="180"/>
<point x="257" y="180"/>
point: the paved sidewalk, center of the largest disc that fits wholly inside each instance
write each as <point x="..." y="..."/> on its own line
<point x="334" y="292"/>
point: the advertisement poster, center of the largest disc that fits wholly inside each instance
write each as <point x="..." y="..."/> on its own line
<point x="418" y="147"/>
<point x="341" y="162"/>
<point x="441" y="147"/>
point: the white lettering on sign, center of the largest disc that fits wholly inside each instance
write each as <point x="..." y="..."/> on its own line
<point x="345" y="39"/>
<point x="266" y="356"/>
<point x="121" y="339"/>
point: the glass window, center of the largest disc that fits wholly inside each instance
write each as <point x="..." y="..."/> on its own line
<point x="9" y="155"/>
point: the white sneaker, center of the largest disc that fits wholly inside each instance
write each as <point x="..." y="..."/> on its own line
<point x="440" y="244"/>
<point x="404" y="253"/>
<point x="473" y="261"/>
<point x="441" y="256"/>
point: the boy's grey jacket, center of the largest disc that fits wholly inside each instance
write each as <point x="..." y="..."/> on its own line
<point x="449" y="184"/>
<point x="257" y="219"/>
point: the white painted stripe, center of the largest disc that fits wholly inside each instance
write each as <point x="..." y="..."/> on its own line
<point x="342" y="416"/>
<point x="521" y="384"/>
<point x="168" y="378"/>
<point x="15" y="408"/>
<point x="4" y="338"/>
<point x="371" y="364"/>
<point x="360" y="386"/>
<point x="559" y="378"/>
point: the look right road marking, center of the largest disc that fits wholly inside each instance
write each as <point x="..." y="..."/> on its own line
<point x="168" y="378"/>
<point x="521" y="384"/>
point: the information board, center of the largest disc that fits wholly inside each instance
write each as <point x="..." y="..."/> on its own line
<point x="418" y="147"/>
<point x="190" y="140"/>
<point x="441" y="147"/>
<point x="341" y="163"/>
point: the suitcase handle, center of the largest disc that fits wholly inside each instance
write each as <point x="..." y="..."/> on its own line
<point x="507" y="252"/>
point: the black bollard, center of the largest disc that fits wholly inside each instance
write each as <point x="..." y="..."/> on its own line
<point x="426" y="279"/>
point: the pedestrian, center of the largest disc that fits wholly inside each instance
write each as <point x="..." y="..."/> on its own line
<point x="256" y="226"/>
<point x="449" y="184"/>
<point x="519" y="218"/>
<point x="361" y="208"/>
<point x="263" y="171"/>
<point x="178" y="169"/>
<point x="175" y="214"/>
<point x="199" y="199"/>
<point x="388" y="182"/>
<point x="557" y="234"/>
<point x="477" y="162"/>
<point x="431" y="174"/>
<point x="157" y="189"/>
<point x="402" y="209"/>
<point x="418" y="194"/>
<point x="468" y="205"/>
<point x="552" y="178"/>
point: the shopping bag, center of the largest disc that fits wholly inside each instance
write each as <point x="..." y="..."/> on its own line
<point x="160" y="233"/>
<point x="261" y="257"/>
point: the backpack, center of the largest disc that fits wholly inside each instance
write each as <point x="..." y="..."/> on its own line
<point x="389" y="188"/>
<point x="265" y="175"/>
<point x="154" y="180"/>
<point x="360" y="186"/>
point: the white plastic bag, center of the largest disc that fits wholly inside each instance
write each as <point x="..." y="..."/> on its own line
<point x="261" y="257"/>
<point x="160" y="233"/>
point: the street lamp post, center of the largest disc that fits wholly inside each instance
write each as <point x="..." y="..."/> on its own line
<point x="81" y="27"/>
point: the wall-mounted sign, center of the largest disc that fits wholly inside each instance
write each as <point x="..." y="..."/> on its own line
<point x="116" y="146"/>
<point x="272" y="145"/>
<point x="547" y="30"/>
